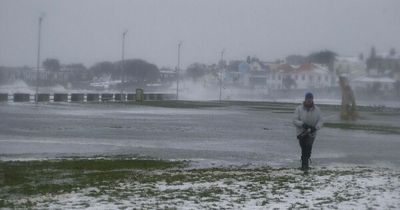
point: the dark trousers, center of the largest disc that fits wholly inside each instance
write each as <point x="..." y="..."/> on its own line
<point x="306" y="147"/>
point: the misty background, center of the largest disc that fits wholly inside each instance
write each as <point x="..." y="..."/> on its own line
<point x="237" y="46"/>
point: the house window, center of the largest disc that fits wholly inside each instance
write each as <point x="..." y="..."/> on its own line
<point x="303" y="77"/>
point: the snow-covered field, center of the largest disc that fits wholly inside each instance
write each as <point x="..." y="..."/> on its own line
<point x="231" y="149"/>
<point x="238" y="188"/>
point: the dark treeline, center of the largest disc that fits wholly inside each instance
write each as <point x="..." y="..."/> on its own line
<point x="131" y="70"/>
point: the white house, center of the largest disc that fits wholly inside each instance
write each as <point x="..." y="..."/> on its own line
<point x="384" y="84"/>
<point x="276" y="75"/>
<point x="252" y="75"/>
<point x="305" y="76"/>
<point x="351" y="67"/>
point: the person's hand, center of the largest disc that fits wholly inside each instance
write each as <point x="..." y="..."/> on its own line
<point x="305" y="126"/>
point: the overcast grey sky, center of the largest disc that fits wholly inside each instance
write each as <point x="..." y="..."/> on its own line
<point x="89" y="31"/>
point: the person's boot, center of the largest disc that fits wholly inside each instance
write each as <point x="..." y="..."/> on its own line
<point x="304" y="164"/>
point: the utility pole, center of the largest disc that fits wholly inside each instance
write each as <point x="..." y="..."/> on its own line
<point x="221" y="75"/>
<point x="38" y="60"/>
<point x="123" y="64"/>
<point x="177" y="70"/>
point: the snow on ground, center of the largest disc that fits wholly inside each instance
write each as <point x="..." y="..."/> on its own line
<point x="233" y="135"/>
<point x="241" y="188"/>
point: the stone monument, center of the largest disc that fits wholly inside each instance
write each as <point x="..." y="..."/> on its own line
<point x="348" y="109"/>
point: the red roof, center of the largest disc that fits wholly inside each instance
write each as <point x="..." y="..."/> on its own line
<point x="306" y="67"/>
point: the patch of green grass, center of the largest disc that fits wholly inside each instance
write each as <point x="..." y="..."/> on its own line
<point x="176" y="178"/>
<point x="373" y="128"/>
<point x="391" y="114"/>
<point x="256" y="105"/>
<point x="342" y="196"/>
<point x="303" y="188"/>
<point x="181" y="104"/>
<point x="210" y="192"/>
<point x="276" y="109"/>
<point x="111" y="164"/>
<point x="66" y="175"/>
<point x="284" y="112"/>
<point x="165" y="182"/>
<point x="299" y="205"/>
<point x="324" y="200"/>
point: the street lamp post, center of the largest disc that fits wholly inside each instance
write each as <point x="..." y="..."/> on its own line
<point x="123" y="65"/>
<point x="177" y="70"/>
<point x="220" y="75"/>
<point x="38" y="60"/>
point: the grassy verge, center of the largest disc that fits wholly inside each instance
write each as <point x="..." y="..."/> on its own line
<point x="209" y="104"/>
<point x="26" y="178"/>
<point x="157" y="184"/>
<point x="372" y="128"/>
<point x="181" y="104"/>
<point x="388" y="113"/>
<point x="281" y="107"/>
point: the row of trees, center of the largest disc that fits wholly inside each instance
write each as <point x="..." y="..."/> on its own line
<point x="325" y="57"/>
<point x="133" y="70"/>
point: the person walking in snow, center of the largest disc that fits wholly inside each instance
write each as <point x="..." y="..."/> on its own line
<point x="308" y="121"/>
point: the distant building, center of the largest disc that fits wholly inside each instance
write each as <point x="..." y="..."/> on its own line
<point x="306" y="76"/>
<point x="27" y="74"/>
<point x="167" y="76"/>
<point x="374" y="84"/>
<point x="253" y="74"/>
<point x="350" y="67"/>
<point x="385" y="64"/>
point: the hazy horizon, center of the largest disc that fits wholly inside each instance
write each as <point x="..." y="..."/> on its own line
<point x="90" y="31"/>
